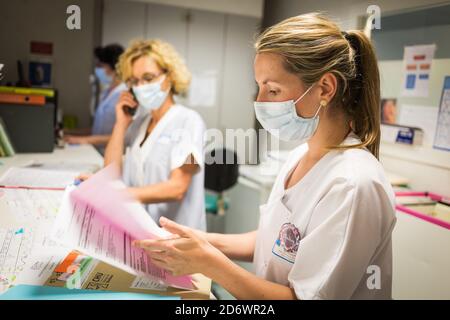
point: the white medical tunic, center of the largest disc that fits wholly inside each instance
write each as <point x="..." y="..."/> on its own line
<point x="329" y="235"/>
<point x="178" y="134"/>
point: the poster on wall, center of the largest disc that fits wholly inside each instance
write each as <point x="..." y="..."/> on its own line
<point x="416" y="70"/>
<point x="442" y="138"/>
<point x="40" y="73"/>
<point x="40" y="64"/>
<point x="389" y="110"/>
<point x="420" y="116"/>
<point x="203" y="89"/>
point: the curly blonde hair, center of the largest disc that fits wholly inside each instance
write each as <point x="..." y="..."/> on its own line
<point x="165" y="56"/>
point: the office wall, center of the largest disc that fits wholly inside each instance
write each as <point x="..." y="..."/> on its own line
<point x="252" y="8"/>
<point x="426" y="168"/>
<point x="22" y="21"/>
<point x="209" y="41"/>
<point x="345" y="12"/>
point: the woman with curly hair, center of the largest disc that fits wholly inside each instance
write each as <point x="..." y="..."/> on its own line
<point x="162" y="140"/>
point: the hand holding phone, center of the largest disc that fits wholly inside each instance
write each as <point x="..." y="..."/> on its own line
<point x="128" y="109"/>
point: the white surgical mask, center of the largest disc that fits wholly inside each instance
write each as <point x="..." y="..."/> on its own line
<point x="150" y="96"/>
<point x="102" y="76"/>
<point x="282" y="121"/>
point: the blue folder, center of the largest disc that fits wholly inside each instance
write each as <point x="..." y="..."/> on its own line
<point x="27" y="292"/>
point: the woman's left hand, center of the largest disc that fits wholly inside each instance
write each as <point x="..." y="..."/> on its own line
<point x="187" y="252"/>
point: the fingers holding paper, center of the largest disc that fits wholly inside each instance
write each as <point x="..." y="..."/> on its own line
<point x="186" y="252"/>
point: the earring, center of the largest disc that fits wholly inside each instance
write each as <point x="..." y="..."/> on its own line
<point x="323" y="103"/>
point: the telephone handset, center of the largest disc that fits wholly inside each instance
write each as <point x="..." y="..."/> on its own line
<point x="131" y="111"/>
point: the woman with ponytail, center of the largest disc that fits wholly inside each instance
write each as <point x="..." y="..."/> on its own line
<point x="325" y="232"/>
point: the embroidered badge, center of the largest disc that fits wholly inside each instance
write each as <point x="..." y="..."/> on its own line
<point x="287" y="243"/>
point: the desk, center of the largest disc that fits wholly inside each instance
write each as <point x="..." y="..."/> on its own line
<point x="421" y="262"/>
<point x="26" y="292"/>
<point x="86" y="159"/>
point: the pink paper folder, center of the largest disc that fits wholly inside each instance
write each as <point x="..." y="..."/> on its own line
<point x="118" y="208"/>
<point x="432" y="196"/>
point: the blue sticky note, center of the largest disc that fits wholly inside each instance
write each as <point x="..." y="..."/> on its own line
<point x="410" y="81"/>
<point x="28" y="292"/>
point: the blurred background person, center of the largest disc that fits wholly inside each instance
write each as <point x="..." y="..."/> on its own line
<point x="110" y="89"/>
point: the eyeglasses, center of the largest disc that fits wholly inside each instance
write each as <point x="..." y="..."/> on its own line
<point x="146" y="79"/>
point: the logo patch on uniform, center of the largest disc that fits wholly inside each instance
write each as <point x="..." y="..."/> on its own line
<point x="287" y="243"/>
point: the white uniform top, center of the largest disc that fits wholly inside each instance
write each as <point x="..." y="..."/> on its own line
<point x="329" y="235"/>
<point x="177" y="135"/>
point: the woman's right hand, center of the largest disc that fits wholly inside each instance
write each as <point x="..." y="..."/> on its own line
<point x="123" y="119"/>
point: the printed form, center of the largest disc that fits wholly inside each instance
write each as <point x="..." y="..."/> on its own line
<point x="99" y="219"/>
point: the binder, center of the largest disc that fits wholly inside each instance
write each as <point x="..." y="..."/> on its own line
<point x="49" y="93"/>
<point x="22" y="99"/>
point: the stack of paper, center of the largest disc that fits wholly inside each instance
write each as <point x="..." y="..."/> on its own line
<point x="31" y="178"/>
<point x="101" y="220"/>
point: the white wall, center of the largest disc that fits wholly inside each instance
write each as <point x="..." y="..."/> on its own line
<point x="208" y="41"/>
<point x="346" y="12"/>
<point x="252" y="8"/>
<point x="22" y="21"/>
<point x="426" y="168"/>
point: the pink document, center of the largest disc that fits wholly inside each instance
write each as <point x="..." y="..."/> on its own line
<point x="100" y="219"/>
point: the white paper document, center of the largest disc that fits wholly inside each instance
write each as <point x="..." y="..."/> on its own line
<point x="98" y="219"/>
<point x="203" y="90"/>
<point x="442" y="138"/>
<point x="36" y="178"/>
<point x="29" y="206"/>
<point x="45" y="256"/>
<point x="423" y="117"/>
<point x="15" y="247"/>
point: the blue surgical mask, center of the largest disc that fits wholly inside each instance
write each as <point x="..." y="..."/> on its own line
<point x="150" y="96"/>
<point x="282" y="121"/>
<point x="102" y="76"/>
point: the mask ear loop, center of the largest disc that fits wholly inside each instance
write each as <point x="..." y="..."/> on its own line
<point x="304" y="94"/>
<point x="322" y="104"/>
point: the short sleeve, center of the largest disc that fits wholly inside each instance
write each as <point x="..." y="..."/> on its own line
<point x="110" y="118"/>
<point x="189" y="141"/>
<point x="346" y="224"/>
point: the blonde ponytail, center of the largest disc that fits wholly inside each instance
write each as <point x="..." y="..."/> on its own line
<point x="313" y="45"/>
<point x="363" y="94"/>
